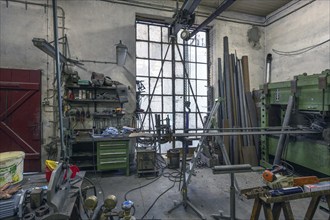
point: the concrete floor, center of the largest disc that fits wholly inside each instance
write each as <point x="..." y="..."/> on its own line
<point x="208" y="192"/>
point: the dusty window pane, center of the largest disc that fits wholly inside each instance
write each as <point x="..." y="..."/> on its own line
<point x="178" y="103"/>
<point x="201" y="39"/>
<point x="167" y="88"/>
<point x="199" y="122"/>
<point x="165" y="34"/>
<point x="167" y="104"/>
<point x="177" y="54"/>
<point x="178" y="69"/>
<point x="202" y="104"/>
<point x="193" y="86"/>
<point x="144" y="102"/>
<point x="192" y="70"/>
<point x="179" y="87"/>
<point x="155" y="67"/>
<point x="201" y="55"/>
<point x="142" y="31"/>
<point x="179" y="120"/>
<point x="178" y="144"/>
<point x="141" y="67"/>
<point x="158" y="89"/>
<point x="192" y="54"/>
<point x="154" y="33"/>
<point x="201" y="71"/>
<point x="142" y="49"/>
<point x="202" y="87"/>
<point x="169" y="52"/>
<point x="156" y="104"/>
<point x="165" y="147"/>
<point x="192" y="120"/>
<point x="167" y="69"/>
<point x="155" y="51"/>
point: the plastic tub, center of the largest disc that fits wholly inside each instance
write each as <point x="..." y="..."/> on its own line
<point x="11" y="167"/>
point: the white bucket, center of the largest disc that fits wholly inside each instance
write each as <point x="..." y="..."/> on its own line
<point x="11" y="167"/>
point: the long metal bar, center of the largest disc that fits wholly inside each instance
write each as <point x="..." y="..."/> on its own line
<point x="234" y="129"/>
<point x="58" y="77"/>
<point x="221" y="111"/>
<point x="215" y="14"/>
<point x="280" y="144"/>
<point x="236" y="133"/>
<point x="244" y="133"/>
<point x="173" y="41"/>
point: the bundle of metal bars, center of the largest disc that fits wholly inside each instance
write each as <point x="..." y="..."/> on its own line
<point x="238" y="109"/>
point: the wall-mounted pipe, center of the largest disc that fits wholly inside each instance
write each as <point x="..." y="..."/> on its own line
<point x="268" y="68"/>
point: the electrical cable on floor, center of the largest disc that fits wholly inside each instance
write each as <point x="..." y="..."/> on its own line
<point x="152" y="205"/>
<point x="300" y="51"/>
<point x="174" y="177"/>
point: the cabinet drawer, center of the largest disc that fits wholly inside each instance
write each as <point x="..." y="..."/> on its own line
<point x="104" y="161"/>
<point x="112" y="151"/>
<point x="119" y="144"/>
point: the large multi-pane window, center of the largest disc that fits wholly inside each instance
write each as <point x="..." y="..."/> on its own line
<point x="162" y="74"/>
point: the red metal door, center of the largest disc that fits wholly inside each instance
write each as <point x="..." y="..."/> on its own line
<point x="20" y="99"/>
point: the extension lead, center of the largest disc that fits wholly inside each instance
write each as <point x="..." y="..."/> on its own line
<point x="285" y="191"/>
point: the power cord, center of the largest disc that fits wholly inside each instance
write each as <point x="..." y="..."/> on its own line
<point x="300" y="51"/>
<point x="174" y="177"/>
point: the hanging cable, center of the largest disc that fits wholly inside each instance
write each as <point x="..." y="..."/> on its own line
<point x="300" y="51"/>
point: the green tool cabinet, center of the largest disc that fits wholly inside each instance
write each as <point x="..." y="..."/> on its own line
<point x="113" y="155"/>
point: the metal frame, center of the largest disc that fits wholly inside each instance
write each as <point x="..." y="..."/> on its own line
<point x="174" y="61"/>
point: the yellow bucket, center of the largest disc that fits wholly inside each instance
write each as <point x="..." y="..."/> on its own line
<point x="11" y="167"/>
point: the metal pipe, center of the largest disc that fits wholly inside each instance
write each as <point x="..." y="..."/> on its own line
<point x="280" y="143"/>
<point x="243" y="133"/>
<point x="215" y="14"/>
<point x="173" y="41"/>
<point x="58" y="76"/>
<point x="268" y="68"/>
<point x="233" y="133"/>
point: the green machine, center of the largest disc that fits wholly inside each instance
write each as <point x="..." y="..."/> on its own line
<point x="311" y="110"/>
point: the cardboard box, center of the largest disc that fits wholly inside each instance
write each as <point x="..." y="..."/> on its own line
<point x="317" y="186"/>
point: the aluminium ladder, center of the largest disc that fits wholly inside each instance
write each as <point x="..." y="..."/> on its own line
<point x="199" y="148"/>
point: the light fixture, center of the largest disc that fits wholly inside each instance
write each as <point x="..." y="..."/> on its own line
<point x="121" y="53"/>
<point x="49" y="49"/>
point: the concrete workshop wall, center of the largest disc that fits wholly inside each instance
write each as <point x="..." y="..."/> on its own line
<point x="306" y="27"/>
<point x="238" y="42"/>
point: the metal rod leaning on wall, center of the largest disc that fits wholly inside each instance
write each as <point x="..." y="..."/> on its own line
<point x="58" y="76"/>
<point x="281" y="141"/>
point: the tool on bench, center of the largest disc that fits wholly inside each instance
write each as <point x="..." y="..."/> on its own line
<point x="279" y="177"/>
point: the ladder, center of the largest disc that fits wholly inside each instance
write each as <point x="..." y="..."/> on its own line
<point x="199" y="148"/>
